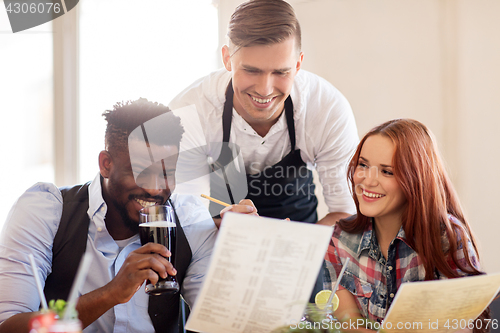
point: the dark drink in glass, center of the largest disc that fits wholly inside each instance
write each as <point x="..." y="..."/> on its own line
<point x="158" y="226"/>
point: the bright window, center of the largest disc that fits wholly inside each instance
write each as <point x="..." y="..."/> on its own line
<point x="131" y="49"/>
<point x="26" y="86"/>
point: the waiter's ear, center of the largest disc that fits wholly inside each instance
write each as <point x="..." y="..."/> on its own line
<point x="226" y="57"/>
<point x="105" y="162"/>
<point x="299" y="61"/>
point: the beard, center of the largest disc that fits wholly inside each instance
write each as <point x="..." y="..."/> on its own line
<point x="127" y="221"/>
<point x="114" y="190"/>
<point x="131" y="222"/>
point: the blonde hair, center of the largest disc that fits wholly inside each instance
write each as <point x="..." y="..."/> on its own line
<point x="263" y="22"/>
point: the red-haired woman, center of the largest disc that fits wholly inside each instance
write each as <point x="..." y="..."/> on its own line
<point x="409" y="224"/>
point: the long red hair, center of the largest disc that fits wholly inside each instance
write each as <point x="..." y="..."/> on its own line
<point x="430" y="197"/>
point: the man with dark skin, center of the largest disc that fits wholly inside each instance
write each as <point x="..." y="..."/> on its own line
<point x="112" y="299"/>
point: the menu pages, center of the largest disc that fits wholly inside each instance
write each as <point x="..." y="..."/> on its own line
<point x="261" y="275"/>
<point x="442" y="305"/>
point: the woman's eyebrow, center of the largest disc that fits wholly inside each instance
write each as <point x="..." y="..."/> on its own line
<point x="382" y="165"/>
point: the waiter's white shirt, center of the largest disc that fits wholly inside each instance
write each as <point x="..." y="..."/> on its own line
<point x="325" y="130"/>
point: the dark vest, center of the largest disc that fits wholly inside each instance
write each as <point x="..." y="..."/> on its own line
<point x="69" y="246"/>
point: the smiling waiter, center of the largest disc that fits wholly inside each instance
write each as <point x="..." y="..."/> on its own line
<point x="284" y="120"/>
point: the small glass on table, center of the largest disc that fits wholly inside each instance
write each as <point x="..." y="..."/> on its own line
<point x="158" y="226"/>
<point x="66" y="326"/>
<point x="318" y="317"/>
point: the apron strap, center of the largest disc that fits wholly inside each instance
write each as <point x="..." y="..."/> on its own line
<point x="227" y="115"/>
<point x="289" y="121"/>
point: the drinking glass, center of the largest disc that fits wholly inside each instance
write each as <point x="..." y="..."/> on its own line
<point x="66" y="326"/>
<point x="158" y="226"/>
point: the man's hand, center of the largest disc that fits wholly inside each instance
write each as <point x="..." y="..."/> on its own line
<point x="245" y="206"/>
<point x="146" y="263"/>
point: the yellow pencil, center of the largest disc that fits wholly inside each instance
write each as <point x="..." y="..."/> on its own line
<point x="215" y="200"/>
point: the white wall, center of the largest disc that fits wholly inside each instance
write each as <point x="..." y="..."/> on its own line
<point x="478" y="115"/>
<point x="432" y="60"/>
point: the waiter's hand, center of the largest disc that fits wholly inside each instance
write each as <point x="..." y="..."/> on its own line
<point x="245" y="206"/>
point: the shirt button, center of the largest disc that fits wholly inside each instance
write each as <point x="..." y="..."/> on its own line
<point x="392" y="295"/>
<point x="390" y="268"/>
<point x="99" y="229"/>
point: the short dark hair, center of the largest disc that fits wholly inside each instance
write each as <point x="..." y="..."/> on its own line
<point x="127" y="116"/>
<point x="263" y="22"/>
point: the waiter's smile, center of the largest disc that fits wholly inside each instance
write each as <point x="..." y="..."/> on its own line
<point x="262" y="102"/>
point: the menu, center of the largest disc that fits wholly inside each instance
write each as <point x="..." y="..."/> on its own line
<point x="442" y="305"/>
<point x="261" y="275"/>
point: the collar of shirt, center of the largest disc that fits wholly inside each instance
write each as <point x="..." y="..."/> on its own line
<point x="98" y="232"/>
<point x="242" y="125"/>
<point x="96" y="201"/>
<point x="259" y="152"/>
<point x="369" y="241"/>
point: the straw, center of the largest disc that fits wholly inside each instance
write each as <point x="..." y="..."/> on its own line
<point x="38" y="284"/>
<point x="338" y="282"/>
<point x="80" y="278"/>
<point x="215" y="200"/>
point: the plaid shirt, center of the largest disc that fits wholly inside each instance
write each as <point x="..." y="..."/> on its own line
<point x="371" y="278"/>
